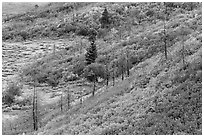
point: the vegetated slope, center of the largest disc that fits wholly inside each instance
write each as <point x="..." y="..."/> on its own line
<point x="40" y="23"/>
<point x="160" y="96"/>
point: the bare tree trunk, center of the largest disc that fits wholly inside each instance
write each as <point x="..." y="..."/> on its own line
<point x="183" y="51"/>
<point x="36" y="110"/>
<point x="107" y="76"/>
<point x="128" y="69"/>
<point x="73" y="17"/>
<point x="61" y="104"/>
<point x="68" y="99"/>
<point x="34" y="116"/>
<point x="165" y="43"/>
<point x="54" y="49"/>
<point x="94" y="86"/>
<point x="81" y="100"/>
<point x="122" y="73"/>
<point x="122" y="67"/>
<point x="113" y="76"/>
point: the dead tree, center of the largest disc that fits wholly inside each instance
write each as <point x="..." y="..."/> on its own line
<point x="94" y="85"/>
<point x="36" y="109"/>
<point x="61" y="104"/>
<point x="122" y="67"/>
<point x="183" y="32"/>
<point x="165" y="37"/>
<point x="35" y="122"/>
<point x="68" y="99"/>
<point x="107" y="76"/>
<point x="127" y="62"/>
<point x="113" y="75"/>
<point x="54" y="49"/>
<point x="81" y="100"/>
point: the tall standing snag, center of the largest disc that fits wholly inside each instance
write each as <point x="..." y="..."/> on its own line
<point x="61" y="104"/>
<point x="35" y="122"/>
<point x="94" y="86"/>
<point x="113" y="75"/>
<point x="107" y="76"/>
<point x="122" y="67"/>
<point x="165" y="37"/>
<point x="34" y="109"/>
<point x="127" y="62"/>
<point x="68" y="99"/>
<point x="183" y="32"/>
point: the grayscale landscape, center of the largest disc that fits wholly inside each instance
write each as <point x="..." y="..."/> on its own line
<point x="102" y="68"/>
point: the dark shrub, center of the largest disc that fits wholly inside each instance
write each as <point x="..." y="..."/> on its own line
<point x="94" y="69"/>
<point x="78" y="67"/>
<point x="10" y="93"/>
<point x="82" y="30"/>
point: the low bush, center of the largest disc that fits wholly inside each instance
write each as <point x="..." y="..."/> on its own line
<point x="71" y="77"/>
<point x="23" y="100"/>
<point x="78" y="66"/>
<point x="95" y="69"/>
<point x="11" y="92"/>
<point x="54" y="78"/>
<point x="82" y="30"/>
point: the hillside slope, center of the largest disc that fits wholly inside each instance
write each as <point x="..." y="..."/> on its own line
<point x="161" y="96"/>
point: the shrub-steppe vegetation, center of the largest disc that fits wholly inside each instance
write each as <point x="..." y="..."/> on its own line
<point x="151" y="94"/>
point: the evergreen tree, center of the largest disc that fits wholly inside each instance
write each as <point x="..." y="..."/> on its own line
<point x="104" y="20"/>
<point x="91" y="53"/>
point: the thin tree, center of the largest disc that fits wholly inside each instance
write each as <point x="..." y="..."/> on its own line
<point x="54" y="49"/>
<point x="94" y="85"/>
<point x="35" y="124"/>
<point x="107" y="75"/>
<point x="81" y="99"/>
<point x="73" y="13"/>
<point x="113" y="75"/>
<point x="165" y="38"/>
<point x="183" y="32"/>
<point x="36" y="109"/>
<point x="68" y="99"/>
<point x="122" y="67"/>
<point x="183" y="49"/>
<point x="61" y="105"/>
<point x="127" y="62"/>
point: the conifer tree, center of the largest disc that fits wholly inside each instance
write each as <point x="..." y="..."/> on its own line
<point x="104" y="20"/>
<point x="91" y="53"/>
